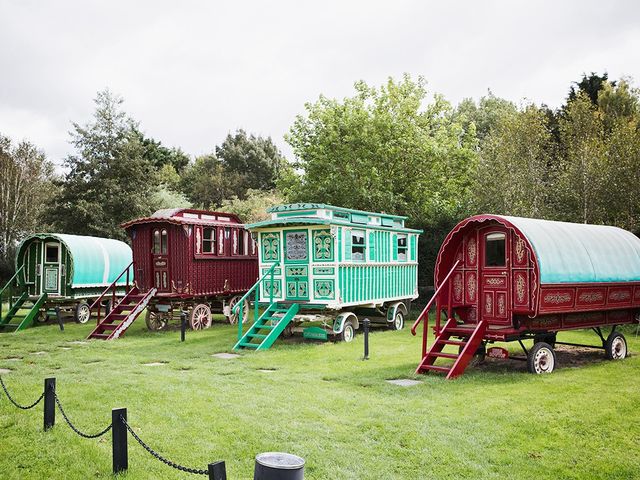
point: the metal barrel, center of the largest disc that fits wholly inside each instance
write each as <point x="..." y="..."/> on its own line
<point x="278" y="466"/>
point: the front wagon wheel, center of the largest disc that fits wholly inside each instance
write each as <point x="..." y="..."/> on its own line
<point x="348" y="332"/>
<point x="82" y="312"/>
<point x="541" y="358"/>
<point x="157" y="320"/>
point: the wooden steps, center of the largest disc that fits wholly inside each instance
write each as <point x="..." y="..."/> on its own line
<point x="23" y="313"/>
<point x="471" y="338"/>
<point x="268" y="327"/>
<point x="120" y="318"/>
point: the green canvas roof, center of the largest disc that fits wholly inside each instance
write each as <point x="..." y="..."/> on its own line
<point x="575" y="252"/>
<point x="95" y="261"/>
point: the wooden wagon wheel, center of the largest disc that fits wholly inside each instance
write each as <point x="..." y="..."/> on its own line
<point x="157" y="320"/>
<point x="200" y="316"/>
<point x="233" y="318"/>
<point x="82" y="312"/>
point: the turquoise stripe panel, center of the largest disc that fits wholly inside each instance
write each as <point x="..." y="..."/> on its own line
<point x="573" y="252"/>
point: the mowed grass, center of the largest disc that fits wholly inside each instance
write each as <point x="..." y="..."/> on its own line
<point x="322" y="402"/>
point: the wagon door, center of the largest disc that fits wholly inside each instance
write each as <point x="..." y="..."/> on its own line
<point x="51" y="260"/>
<point x="160" y="259"/>
<point x="494" y="276"/>
<point x="296" y="260"/>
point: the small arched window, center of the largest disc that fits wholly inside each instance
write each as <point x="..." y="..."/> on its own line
<point x="164" y="241"/>
<point x="155" y="249"/>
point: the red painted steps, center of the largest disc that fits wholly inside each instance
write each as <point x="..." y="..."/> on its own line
<point x="471" y="338"/>
<point x="122" y="315"/>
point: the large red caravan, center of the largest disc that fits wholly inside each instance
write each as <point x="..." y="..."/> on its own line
<point x="505" y="278"/>
<point x="184" y="259"/>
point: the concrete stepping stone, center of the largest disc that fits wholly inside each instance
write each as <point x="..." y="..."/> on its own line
<point x="78" y="342"/>
<point x="65" y="348"/>
<point x="154" y="364"/>
<point x="267" y="370"/>
<point x="404" y="382"/>
<point x="5" y="370"/>
<point x="13" y="359"/>
<point x="39" y="353"/>
<point x="226" y="356"/>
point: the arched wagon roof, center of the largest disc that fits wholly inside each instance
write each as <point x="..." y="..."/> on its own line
<point x="95" y="261"/>
<point x="575" y="252"/>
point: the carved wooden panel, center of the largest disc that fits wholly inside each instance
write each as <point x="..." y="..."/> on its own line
<point x="521" y="289"/>
<point x="619" y="295"/>
<point x="619" y="316"/>
<point x="494" y="281"/>
<point x="471" y="287"/>
<point x="501" y="304"/>
<point x="554" y="298"/>
<point x="458" y="287"/>
<point x="520" y="254"/>
<point x="471" y="251"/>
<point x="544" y="322"/>
<point x="586" y="318"/>
<point x="590" y="297"/>
<point x="488" y="301"/>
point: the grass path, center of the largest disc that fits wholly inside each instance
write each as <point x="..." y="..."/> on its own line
<point x="322" y="402"/>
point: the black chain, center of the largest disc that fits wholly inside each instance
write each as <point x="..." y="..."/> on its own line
<point x="160" y="457"/>
<point x="66" y="419"/>
<point x="22" y="407"/>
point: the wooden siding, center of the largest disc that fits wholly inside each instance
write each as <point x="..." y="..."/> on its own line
<point x="366" y="283"/>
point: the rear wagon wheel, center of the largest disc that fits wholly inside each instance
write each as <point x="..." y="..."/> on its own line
<point x="616" y="346"/>
<point x="82" y="312"/>
<point x="157" y="320"/>
<point x="398" y="321"/>
<point x="348" y="332"/>
<point x="200" y="317"/>
<point x="233" y="318"/>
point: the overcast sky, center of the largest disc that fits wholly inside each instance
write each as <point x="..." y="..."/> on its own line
<point x="190" y="72"/>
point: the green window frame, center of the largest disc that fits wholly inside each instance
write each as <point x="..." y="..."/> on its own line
<point x="296" y="236"/>
<point x="402" y="247"/>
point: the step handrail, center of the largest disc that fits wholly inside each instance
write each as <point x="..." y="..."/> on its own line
<point x="239" y="307"/>
<point x="424" y="315"/>
<point x="114" y="287"/>
<point x="14" y="277"/>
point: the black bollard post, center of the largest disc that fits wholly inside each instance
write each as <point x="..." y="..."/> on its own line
<point x="366" y="323"/>
<point x="119" y="440"/>
<point x="59" y="318"/>
<point x="217" y="471"/>
<point x="278" y="466"/>
<point x="183" y="325"/>
<point x="49" y="403"/>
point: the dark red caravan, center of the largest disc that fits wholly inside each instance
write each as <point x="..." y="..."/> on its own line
<point x="187" y="259"/>
<point x="505" y="278"/>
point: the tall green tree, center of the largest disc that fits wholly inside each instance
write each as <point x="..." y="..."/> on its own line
<point x="254" y="160"/>
<point x="207" y="183"/>
<point x="26" y="183"/>
<point x="109" y="180"/>
<point x="387" y="148"/>
<point x="483" y="115"/>
<point x="513" y="174"/>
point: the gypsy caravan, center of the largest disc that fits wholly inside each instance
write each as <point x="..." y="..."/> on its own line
<point x="332" y="265"/>
<point x="183" y="259"/>
<point x="65" y="271"/>
<point x="512" y="279"/>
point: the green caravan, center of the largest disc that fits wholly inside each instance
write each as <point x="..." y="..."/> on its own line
<point x="330" y="265"/>
<point x="63" y="271"/>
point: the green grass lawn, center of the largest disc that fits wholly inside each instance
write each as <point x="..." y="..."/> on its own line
<point x="322" y="402"/>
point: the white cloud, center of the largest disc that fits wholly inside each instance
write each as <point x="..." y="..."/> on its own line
<point x="190" y="72"/>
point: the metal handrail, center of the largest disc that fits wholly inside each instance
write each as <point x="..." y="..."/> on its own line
<point x="114" y="286"/>
<point x="425" y="312"/>
<point x="239" y="307"/>
<point x="11" y="280"/>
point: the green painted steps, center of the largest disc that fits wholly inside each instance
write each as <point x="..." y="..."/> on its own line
<point x="22" y="314"/>
<point x="268" y="327"/>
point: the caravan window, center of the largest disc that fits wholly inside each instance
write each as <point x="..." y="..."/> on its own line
<point x="357" y="245"/>
<point x="494" y="250"/>
<point x="209" y="240"/>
